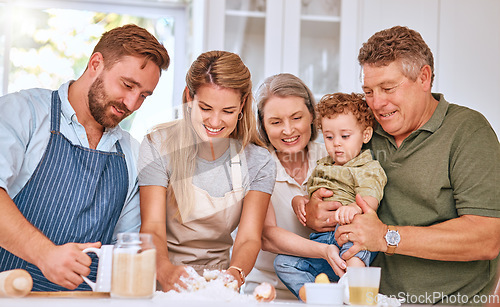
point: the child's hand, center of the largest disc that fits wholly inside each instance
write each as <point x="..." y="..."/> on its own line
<point x="345" y="214"/>
<point x="299" y="207"/>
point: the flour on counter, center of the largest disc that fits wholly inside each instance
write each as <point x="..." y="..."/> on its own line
<point x="212" y="286"/>
<point x="213" y="291"/>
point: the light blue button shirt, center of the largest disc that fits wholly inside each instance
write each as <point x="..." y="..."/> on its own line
<point x="25" y="133"/>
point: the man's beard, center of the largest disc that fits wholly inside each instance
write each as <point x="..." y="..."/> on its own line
<point x="98" y="106"/>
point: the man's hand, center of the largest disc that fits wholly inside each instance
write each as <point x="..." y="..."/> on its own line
<point x="63" y="264"/>
<point x="366" y="231"/>
<point x="320" y="215"/>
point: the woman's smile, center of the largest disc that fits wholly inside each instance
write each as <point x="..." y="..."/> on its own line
<point x="292" y="140"/>
<point x="215" y="112"/>
<point x="213" y="131"/>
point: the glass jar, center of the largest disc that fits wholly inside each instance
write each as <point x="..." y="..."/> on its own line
<point x="134" y="266"/>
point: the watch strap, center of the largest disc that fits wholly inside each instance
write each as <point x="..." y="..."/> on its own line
<point x="390" y="250"/>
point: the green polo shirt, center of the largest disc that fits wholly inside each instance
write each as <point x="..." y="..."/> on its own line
<point x="447" y="168"/>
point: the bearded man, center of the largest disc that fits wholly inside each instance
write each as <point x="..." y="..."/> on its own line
<point x="68" y="177"/>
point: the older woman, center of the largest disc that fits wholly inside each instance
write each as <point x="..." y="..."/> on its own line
<point x="287" y="126"/>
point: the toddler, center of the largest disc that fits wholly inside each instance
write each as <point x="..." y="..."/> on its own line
<point x="347" y="123"/>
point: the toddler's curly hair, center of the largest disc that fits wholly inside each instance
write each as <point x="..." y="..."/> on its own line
<point x="331" y="105"/>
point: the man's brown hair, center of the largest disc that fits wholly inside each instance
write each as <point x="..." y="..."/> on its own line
<point x="131" y="40"/>
<point x="398" y="44"/>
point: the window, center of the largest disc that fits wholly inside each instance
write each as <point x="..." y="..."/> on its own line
<point x="46" y="43"/>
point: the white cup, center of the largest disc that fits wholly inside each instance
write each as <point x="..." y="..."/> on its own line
<point x="324" y="294"/>
<point x="363" y="285"/>
<point x="103" y="281"/>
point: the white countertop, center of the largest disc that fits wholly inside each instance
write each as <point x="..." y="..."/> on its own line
<point x="111" y="302"/>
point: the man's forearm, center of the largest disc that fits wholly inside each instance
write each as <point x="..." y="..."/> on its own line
<point x="466" y="238"/>
<point x="18" y="235"/>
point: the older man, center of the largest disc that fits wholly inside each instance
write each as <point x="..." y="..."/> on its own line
<point x="438" y="225"/>
<point x="67" y="171"/>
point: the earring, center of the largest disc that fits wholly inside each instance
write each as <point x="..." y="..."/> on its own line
<point x="240" y="116"/>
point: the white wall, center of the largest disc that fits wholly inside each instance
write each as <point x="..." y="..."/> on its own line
<point x="469" y="55"/>
<point x="464" y="36"/>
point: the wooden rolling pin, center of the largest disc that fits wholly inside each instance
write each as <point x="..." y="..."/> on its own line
<point x="15" y="283"/>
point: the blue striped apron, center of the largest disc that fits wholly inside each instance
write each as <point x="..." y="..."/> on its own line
<point x="76" y="194"/>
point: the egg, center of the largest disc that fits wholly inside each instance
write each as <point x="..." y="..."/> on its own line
<point x="265" y="292"/>
<point x="322" y="278"/>
<point x="302" y="293"/>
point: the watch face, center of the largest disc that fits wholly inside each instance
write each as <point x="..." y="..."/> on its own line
<point x="392" y="237"/>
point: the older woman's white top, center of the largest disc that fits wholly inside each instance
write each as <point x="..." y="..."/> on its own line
<point x="285" y="189"/>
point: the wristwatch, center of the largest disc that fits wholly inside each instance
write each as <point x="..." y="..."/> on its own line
<point x="392" y="238"/>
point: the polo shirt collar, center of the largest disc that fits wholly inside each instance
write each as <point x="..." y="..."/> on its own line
<point x="437" y="117"/>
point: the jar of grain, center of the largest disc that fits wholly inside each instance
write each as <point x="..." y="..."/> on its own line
<point x="134" y="266"/>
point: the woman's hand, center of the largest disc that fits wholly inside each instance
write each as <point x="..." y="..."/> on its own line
<point x="169" y="277"/>
<point x="233" y="274"/>
<point x="332" y="256"/>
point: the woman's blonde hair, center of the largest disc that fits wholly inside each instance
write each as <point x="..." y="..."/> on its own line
<point x="222" y="69"/>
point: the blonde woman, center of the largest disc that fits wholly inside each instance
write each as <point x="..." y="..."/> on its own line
<point x="205" y="175"/>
